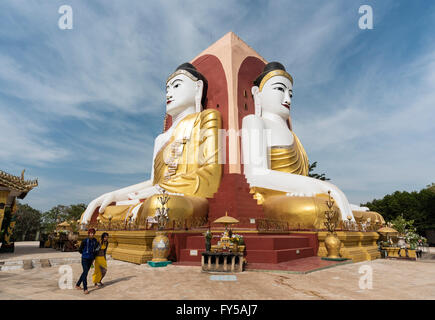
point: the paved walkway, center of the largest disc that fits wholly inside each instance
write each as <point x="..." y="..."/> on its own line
<point x="25" y="250"/>
<point x="391" y="279"/>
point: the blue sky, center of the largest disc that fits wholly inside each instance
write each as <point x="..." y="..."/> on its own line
<point x="80" y="108"/>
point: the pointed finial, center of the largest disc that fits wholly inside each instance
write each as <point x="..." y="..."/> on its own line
<point x="22" y="174"/>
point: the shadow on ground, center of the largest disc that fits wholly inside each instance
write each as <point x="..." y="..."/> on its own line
<point x="110" y="282"/>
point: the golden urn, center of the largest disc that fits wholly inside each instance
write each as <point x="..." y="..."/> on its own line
<point x="160" y="247"/>
<point x="160" y="243"/>
<point x="333" y="245"/>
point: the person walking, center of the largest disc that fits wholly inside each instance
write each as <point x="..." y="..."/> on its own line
<point x="88" y="247"/>
<point x="100" y="261"/>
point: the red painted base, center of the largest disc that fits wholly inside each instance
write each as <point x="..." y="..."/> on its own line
<point x="260" y="248"/>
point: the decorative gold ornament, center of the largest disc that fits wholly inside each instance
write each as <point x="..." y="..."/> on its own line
<point x="160" y="247"/>
<point x="184" y="72"/>
<point x="225" y="242"/>
<point x="160" y="244"/>
<point x="162" y="213"/>
<point x="273" y="74"/>
<point x="332" y="243"/>
<point x="189" y="162"/>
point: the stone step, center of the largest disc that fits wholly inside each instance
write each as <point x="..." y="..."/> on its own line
<point x="276" y="242"/>
<point x="259" y="248"/>
<point x="255" y="256"/>
<point x="28" y="264"/>
<point x="11" y="265"/>
<point x="277" y="256"/>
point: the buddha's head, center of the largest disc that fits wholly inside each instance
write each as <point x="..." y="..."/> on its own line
<point x="185" y="88"/>
<point x="273" y="90"/>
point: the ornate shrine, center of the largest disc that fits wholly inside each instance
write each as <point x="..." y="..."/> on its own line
<point x="11" y="188"/>
<point x="280" y="214"/>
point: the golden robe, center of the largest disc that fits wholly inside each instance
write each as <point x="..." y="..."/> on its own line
<point x="290" y="159"/>
<point x="191" y="166"/>
<point x="299" y="212"/>
<point x="187" y="164"/>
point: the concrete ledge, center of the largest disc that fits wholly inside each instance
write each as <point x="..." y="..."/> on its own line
<point x="38" y="263"/>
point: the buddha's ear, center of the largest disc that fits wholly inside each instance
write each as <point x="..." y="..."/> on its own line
<point x="198" y="95"/>
<point x="256" y="94"/>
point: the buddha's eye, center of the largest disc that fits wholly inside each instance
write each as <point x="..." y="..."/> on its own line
<point x="279" y="88"/>
<point x="177" y="85"/>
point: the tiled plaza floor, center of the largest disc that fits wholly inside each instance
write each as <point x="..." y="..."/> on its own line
<point x="391" y="279"/>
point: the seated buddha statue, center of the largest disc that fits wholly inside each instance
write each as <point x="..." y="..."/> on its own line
<point x="275" y="162"/>
<point x="185" y="159"/>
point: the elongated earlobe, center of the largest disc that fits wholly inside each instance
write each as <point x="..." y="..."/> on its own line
<point x="256" y="94"/>
<point x="198" y="95"/>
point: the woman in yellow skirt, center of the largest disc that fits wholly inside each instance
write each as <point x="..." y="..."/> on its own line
<point x="100" y="261"/>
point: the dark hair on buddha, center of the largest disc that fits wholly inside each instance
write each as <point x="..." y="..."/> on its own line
<point x="271" y="66"/>
<point x="192" y="70"/>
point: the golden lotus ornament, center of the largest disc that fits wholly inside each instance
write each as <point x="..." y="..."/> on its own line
<point x="160" y="245"/>
<point x="332" y="243"/>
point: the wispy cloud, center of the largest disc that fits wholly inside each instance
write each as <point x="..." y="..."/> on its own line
<point x="375" y="144"/>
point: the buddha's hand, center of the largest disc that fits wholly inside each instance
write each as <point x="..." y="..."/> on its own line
<point x="102" y="201"/>
<point x="144" y="193"/>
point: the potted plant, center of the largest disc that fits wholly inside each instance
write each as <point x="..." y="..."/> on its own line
<point x="238" y="241"/>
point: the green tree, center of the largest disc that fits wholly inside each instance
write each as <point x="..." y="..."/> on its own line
<point x="28" y="221"/>
<point x="321" y="176"/>
<point x="61" y="213"/>
<point x="75" y="211"/>
<point x="416" y="206"/>
<point x="53" y="217"/>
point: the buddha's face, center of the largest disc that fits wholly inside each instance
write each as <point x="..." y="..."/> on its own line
<point x="180" y="94"/>
<point x="275" y="96"/>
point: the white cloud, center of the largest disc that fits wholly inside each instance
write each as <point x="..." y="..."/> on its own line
<point x="24" y="141"/>
<point x="372" y="146"/>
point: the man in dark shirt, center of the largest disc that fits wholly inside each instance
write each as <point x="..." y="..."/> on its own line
<point x="88" y="247"/>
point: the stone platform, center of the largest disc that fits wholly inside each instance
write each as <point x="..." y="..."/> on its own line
<point x="28" y="256"/>
<point x="302" y="266"/>
<point x="261" y="247"/>
<point x="357" y="246"/>
<point x="127" y="281"/>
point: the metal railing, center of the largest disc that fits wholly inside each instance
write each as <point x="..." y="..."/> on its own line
<point x="261" y="224"/>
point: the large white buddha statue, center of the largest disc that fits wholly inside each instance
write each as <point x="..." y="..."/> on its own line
<point x="185" y="159"/>
<point x="275" y="162"/>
